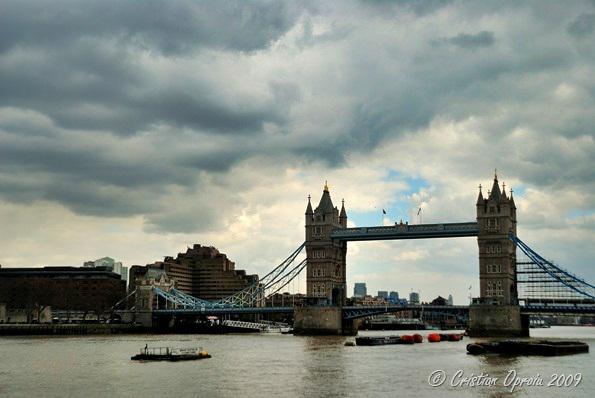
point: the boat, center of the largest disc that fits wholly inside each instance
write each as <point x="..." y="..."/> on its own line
<point x="170" y="354"/>
<point x="538" y="323"/>
<point x="391" y="322"/>
<point x="383" y="340"/>
<point x="520" y="347"/>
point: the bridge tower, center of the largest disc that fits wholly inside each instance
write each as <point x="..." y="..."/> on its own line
<point x="326" y="258"/>
<point x="496" y="312"/>
<point x="325" y="280"/>
<point x="496" y="219"/>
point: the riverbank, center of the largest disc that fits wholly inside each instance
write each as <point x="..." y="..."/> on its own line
<point x="81" y="329"/>
<point x="50" y="329"/>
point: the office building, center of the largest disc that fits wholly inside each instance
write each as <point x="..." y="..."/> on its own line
<point x="413" y="298"/>
<point x="94" y="289"/>
<point x="110" y="264"/>
<point x="360" y="290"/>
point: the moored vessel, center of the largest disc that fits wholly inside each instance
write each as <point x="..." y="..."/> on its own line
<point x="384" y="340"/>
<point x="519" y="347"/>
<point x="170" y="354"/>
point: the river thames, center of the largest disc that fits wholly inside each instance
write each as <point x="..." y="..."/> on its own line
<point x="273" y="365"/>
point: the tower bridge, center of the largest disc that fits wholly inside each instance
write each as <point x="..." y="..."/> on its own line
<point x="546" y="287"/>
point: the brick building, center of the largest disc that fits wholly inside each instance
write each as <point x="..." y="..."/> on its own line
<point x="92" y="290"/>
<point x="202" y="271"/>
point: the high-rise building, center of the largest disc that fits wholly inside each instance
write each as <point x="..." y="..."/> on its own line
<point x="393" y="297"/>
<point x="413" y="298"/>
<point x="449" y="301"/>
<point x="202" y="272"/>
<point x="383" y="294"/>
<point x="360" y="290"/>
<point x="110" y="264"/>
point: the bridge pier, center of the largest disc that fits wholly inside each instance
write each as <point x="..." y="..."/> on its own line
<point x="487" y="320"/>
<point x="322" y="320"/>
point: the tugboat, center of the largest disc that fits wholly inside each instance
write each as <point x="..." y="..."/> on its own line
<point x="170" y="354"/>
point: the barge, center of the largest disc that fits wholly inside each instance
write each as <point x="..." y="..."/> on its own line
<point x="518" y="347"/>
<point x="384" y="340"/>
<point x="170" y="354"/>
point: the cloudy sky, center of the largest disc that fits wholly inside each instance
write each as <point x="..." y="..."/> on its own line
<point x="135" y="129"/>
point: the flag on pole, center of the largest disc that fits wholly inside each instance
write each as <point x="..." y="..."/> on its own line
<point x="383" y="211"/>
<point x="419" y="211"/>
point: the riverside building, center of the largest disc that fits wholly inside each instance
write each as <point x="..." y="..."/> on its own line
<point x="202" y="272"/>
<point x="61" y="288"/>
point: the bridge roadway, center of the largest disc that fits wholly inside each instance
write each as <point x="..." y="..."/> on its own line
<point x="352" y="312"/>
<point x="406" y="231"/>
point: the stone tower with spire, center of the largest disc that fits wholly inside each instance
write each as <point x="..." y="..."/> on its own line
<point x="496" y="219"/>
<point x="326" y="258"/>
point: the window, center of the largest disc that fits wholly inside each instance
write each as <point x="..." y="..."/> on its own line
<point x="317" y="230"/>
<point x="319" y="254"/>
<point x="493" y="248"/>
<point x="494" y="289"/>
<point x="321" y="289"/>
<point x="494" y="268"/>
<point x="492" y="224"/>
<point x="318" y="289"/>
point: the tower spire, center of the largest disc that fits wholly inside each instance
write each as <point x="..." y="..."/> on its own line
<point x="309" y="208"/>
<point x="326" y="186"/>
<point x="480" y="196"/>
<point x="495" y="192"/>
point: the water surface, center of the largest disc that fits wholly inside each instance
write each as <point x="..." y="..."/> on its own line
<point x="269" y="365"/>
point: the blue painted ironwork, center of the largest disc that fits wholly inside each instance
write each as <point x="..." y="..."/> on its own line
<point x="550" y="281"/>
<point x="224" y="310"/>
<point x="558" y="309"/>
<point x="354" y="312"/>
<point x="179" y="300"/>
<point x="406" y="231"/>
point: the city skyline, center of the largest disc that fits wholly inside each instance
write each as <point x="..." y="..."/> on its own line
<point x="137" y="138"/>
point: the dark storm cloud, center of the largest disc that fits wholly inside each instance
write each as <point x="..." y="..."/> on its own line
<point x="89" y="86"/>
<point x="466" y="40"/>
<point x="419" y="7"/>
<point x="132" y="108"/>
<point x="582" y="26"/>
<point x="172" y="27"/>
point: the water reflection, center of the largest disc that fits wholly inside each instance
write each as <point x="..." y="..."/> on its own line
<point x="325" y="367"/>
<point x="497" y="366"/>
